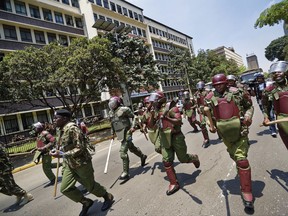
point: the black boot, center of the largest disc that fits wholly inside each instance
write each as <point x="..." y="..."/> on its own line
<point x="143" y="160"/>
<point x="87" y="203"/>
<point x="109" y="199"/>
<point x="174" y="185"/>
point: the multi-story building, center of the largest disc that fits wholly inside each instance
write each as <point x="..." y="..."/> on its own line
<point x="229" y="53"/>
<point x="37" y="23"/>
<point x="252" y="62"/>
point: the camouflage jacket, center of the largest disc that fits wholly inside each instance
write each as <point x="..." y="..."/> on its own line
<point x="242" y="100"/>
<point x="123" y="114"/>
<point x="268" y="98"/>
<point x="73" y="143"/>
<point x="5" y="163"/>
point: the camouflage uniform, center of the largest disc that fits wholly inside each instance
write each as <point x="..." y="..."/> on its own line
<point x="171" y="141"/>
<point x="7" y="183"/>
<point x="199" y="96"/>
<point x="276" y="96"/>
<point x="77" y="164"/>
<point x="228" y="109"/>
<point x="46" y="140"/>
<point x="189" y="110"/>
<point x="121" y="125"/>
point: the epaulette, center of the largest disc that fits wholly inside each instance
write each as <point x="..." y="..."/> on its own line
<point x="269" y="88"/>
<point x="210" y="95"/>
<point x="233" y="89"/>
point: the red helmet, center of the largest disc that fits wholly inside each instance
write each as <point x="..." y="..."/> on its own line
<point x="219" y="79"/>
<point x="114" y="102"/>
<point x="146" y="100"/>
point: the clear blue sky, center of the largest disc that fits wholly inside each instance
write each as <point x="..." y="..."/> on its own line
<point x="214" y="23"/>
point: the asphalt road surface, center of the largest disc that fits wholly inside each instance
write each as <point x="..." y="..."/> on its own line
<point x="213" y="189"/>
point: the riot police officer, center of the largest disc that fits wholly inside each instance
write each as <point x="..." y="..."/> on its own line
<point x="120" y="116"/>
<point x="232" y="112"/>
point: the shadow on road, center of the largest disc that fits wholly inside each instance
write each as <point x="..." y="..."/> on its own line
<point x="278" y="175"/>
<point x="264" y="132"/>
<point x="233" y="187"/>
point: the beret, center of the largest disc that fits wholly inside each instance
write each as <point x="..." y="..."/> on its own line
<point x="63" y="112"/>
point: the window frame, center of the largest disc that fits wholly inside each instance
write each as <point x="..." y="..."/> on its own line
<point x="22" y="6"/>
<point x="25" y="35"/>
<point x="47" y="13"/>
<point x="12" y="31"/>
<point x="34" y="11"/>
<point x="39" y="37"/>
<point x="58" y="19"/>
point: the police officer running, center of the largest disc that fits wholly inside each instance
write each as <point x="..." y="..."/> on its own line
<point x="120" y="116"/>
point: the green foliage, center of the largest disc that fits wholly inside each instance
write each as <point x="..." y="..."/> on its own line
<point x="140" y="71"/>
<point x="273" y="15"/>
<point x="85" y="64"/>
<point x="277" y="49"/>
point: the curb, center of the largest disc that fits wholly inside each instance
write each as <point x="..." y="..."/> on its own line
<point x="26" y="166"/>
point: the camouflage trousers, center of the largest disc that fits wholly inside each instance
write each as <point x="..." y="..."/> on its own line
<point x="9" y="187"/>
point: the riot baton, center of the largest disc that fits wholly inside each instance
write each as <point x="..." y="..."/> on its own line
<point x="275" y="122"/>
<point x="107" y="161"/>
<point x="211" y="123"/>
<point x="56" y="178"/>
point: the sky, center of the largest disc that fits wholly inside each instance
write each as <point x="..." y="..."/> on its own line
<point x="215" y="23"/>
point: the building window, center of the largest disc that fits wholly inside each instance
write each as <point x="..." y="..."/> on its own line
<point x="65" y="2"/>
<point x="42" y="116"/>
<point x="59" y="18"/>
<point x="20" y="8"/>
<point x="116" y="23"/>
<point x="6" y="5"/>
<point x="92" y="1"/>
<point x="34" y="11"/>
<point x="99" y="2"/>
<point x="102" y="17"/>
<point x="39" y="37"/>
<point x="78" y="22"/>
<point x="63" y="41"/>
<point x="95" y="16"/>
<point x="144" y="33"/>
<point x="51" y="37"/>
<point x="69" y="20"/>
<point x="135" y="16"/>
<point x="113" y="7"/>
<point x="106" y="4"/>
<point x="87" y="110"/>
<point x="25" y="35"/>
<point x="50" y="92"/>
<point x="10" y="32"/>
<point x="47" y="15"/>
<point x="140" y="17"/>
<point x="75" y="3"/>
<point x="130" y="14"/>
<point x="27" y="120"/>
<point x="119" y="9"/>
<point x="125" y="12"/>
<point x="11" y="124"/>
<point x="109" y="20"/>
<point x="139" y="31"/>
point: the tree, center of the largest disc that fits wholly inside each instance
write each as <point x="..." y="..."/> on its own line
<point x="140" y="71"/>
<point x="277" y="49"/>
<point x="74" y="75"/>
<point x="273" y="15"/>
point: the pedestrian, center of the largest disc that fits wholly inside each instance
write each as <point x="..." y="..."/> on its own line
<point x="200" y="94"/>
<point x="276" y="96"/>
<point x="45" y="142"/>
<point x="120" y="116"/>
<point x="189" y="111"/>
<point x="167" y="119"/>
<point x="72" y="146"/>
<point x="8" y="185"/>
<point x="232" y="111"/>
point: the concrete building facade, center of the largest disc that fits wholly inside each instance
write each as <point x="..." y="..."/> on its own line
<point x="229" y="53"/>
<point x="28" y="22"/>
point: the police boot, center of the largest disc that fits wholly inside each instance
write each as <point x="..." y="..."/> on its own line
<point x="206" y="141"/>
<point x="143" y="160"/>
<point x="26" y="198"/>
<point x="195" y="160"/>
<point x="174" y="185"/>
<point x="109" y="199"/>
<point x="125" y="174"/>
<point x="87" y="203"/>
<point x="244" y="172"/>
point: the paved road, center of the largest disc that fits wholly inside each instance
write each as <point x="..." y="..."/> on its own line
<point x="213" y="189"/>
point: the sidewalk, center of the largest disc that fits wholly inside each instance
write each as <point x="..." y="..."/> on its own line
<point x="24" y="162"/>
